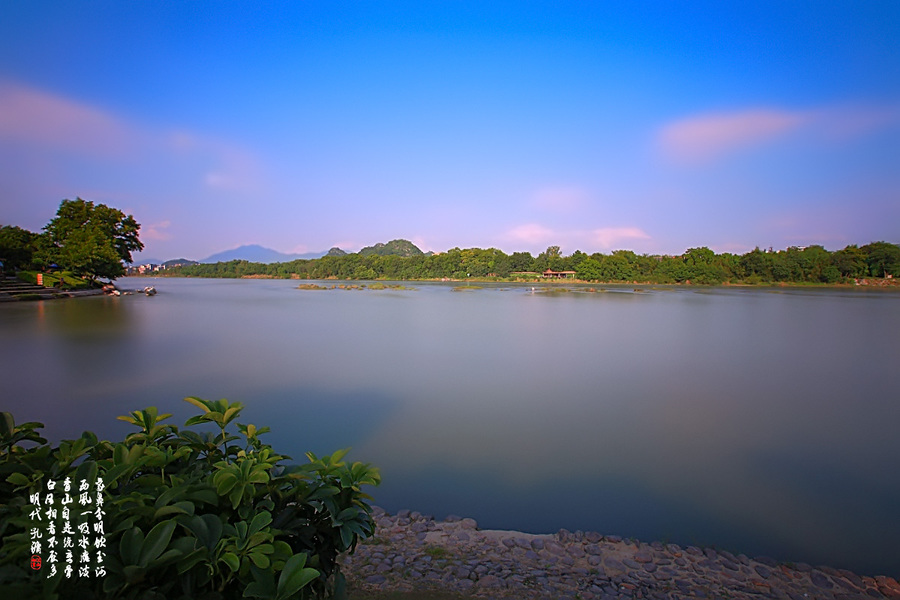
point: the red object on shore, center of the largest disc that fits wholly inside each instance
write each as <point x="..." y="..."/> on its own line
<point x="40" y="279"/>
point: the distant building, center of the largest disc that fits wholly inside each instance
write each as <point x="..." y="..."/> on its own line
<point x="551" y="274"/>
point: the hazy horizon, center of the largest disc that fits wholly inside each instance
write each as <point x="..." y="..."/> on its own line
<point x="301" y="126"/>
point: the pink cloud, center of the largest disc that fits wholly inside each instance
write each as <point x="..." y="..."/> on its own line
<point x="607" y="237"/>
<point x="156" y="231"/>
<point x="46" y="122"/>
<point x="530" y="234"/>
<point x="33" y="117"/>
<point x="706" y="137"/>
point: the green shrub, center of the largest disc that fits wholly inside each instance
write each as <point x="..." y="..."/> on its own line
<point x="188" y="514"/>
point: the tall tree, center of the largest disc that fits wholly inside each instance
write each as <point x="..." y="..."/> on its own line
<point x="883" y="259"/>
<point x="92" y="241"/>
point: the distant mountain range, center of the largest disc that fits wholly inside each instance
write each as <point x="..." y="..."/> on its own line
<point x="259" y="254"/>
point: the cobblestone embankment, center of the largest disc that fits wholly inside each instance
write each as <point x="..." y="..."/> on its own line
<point x="411" y="551"/>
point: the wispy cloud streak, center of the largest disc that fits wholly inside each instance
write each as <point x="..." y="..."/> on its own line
<point x="32" y="117"/>
<point x="43" y="122"/>
<point x="707" y="137"/>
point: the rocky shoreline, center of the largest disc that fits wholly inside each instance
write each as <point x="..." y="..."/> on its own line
<point x="414" y="552"/>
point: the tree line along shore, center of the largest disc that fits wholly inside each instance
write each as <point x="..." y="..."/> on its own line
<point x="90" y="241"/>
<point x="807" y="265"/>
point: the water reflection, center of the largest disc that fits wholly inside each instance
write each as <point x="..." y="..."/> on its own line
<point x="756" y="421"/>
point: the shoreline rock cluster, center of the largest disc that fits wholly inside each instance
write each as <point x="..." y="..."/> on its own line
<point x="411" y="551"/>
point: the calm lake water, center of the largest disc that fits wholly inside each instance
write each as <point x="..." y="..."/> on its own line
<point x="762" y="421"/>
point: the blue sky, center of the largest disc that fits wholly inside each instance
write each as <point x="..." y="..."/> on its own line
<point x="650" y="126"/>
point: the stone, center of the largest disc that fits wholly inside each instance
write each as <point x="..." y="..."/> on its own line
<point x="614" y="564"/>
<point x="491" y="581"/>
<point x="403" y="513"/>
<point x="763" y="571"/>
<point x="532" y="568"/>
<point x="468" y="524"/>
<point x="554" y="548"/>
<point x="730" y="565"/>
<point x="453" y="519"/>
<point x="821" y="580"/>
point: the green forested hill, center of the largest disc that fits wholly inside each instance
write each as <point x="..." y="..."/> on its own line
<point x="392" y="248"/>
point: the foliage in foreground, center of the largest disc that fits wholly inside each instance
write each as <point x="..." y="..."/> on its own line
<point x="188" y="514"/>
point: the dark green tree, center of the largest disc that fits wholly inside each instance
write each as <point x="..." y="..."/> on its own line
<point x="851" y="261"/>
<point x="91" y="241"/>
<point x="589" y="270"/>
<point x="882" y="258"/>
<point x="17" y="247"/>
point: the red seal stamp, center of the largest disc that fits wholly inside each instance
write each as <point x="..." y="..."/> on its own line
<point x="35" y="562"/>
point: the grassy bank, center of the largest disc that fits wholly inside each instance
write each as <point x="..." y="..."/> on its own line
<point x="67" y="278"/>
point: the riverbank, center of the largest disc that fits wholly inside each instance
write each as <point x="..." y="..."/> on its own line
<point x="413" y="552"/>
<point x="872" y="282"/>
